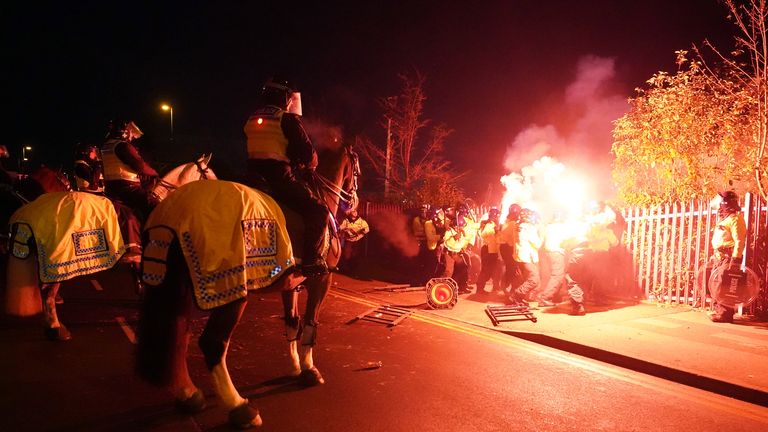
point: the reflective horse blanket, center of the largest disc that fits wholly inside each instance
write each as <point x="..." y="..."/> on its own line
<point x="74" y="233"/>
<point x="233" y="239"/>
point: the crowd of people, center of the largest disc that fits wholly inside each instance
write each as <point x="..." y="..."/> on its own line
<point x="450" y="236"/>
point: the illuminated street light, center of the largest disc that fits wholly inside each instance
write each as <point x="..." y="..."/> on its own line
<point x="166" y="107"/>
<point x="24" y="157"/>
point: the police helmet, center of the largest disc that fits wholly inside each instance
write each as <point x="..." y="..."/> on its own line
<point x="729" y="201"/>
<point x="514" y="211"/>
<point x="277" y="91"/>
<point x="124" y="129"/>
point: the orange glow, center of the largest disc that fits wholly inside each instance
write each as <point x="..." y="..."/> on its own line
<point x="259" y="120"/>
<point x="547" y="187"/>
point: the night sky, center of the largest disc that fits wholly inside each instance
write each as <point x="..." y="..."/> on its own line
<point x="494" y="68"/>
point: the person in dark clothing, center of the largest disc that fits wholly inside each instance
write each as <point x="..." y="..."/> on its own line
<point x="277" y="146"/>
<point x="128" y="177"/>
<point x="88" y="170"/>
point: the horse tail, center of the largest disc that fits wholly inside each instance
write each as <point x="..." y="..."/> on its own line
<point x="165" y="312"/>
<point x="22" y="288"/>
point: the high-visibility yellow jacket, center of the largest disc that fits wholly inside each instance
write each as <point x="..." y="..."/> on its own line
<point x="114" y="168"/>
<point x="508" y="233"/>
<point x="490" y="236"/>
<point x="264" y="134"/>
<point x="731" y="232"/>
<point x="430" y="232"/>
<point x="528" y="244"/>
<point x="417" y="228"/>
<point x="357" y="229"/>
<point x="454" y="239"/>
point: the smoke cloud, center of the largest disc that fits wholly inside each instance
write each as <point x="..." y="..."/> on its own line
<point x="396" y="231"/>
<point x="582" y="140"/>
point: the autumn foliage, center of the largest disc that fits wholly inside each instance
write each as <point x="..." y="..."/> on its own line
<point x="702" y="129"/>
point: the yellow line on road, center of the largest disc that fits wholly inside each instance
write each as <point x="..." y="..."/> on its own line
<point x="126" y="329"/>
<point x="711" y="400"/>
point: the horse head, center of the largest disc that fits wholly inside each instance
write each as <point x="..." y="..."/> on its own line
<point x="183" y="174"/>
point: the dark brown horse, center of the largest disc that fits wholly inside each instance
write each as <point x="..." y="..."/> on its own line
<point x="335" y="181"/>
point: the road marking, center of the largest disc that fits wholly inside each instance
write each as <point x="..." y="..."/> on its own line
<point x="126" y="329"/>
<point x="703" y="397"/>
<point x="96" y="285"/>
<point x="657" y="323"/>
<point x="743" y="340"/>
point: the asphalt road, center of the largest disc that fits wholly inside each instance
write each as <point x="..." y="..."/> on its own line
<point x="435" y="375"/>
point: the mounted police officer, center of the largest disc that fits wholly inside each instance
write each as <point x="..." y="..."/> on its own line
<point x="277" y="146"/>
<point x="88" y="169"/>
<point x="127" y="177"/>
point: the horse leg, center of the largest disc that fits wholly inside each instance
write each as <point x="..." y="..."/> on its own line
<point x="317" y="290"/>
<point x="54" y="329"/>
<point x="189" y="398"/>
<point x="292" y="327"/>
<point x="214" y="343"/>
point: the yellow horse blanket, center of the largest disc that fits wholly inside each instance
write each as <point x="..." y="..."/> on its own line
<point x="233" y="239"/>
<point x="74" y="233"/>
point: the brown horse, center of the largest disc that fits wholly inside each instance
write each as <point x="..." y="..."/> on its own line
<point x="208" y="245"/>
<point x="335" y="181"/>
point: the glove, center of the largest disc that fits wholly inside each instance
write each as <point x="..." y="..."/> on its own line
<point x="735" y="264"/>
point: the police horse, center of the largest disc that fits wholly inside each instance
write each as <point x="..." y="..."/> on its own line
<point x="335" y="181"/>
<point x="63" y="234"/>
<point x="182" y="266"/>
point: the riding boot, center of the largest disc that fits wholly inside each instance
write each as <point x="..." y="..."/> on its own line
<point x="139" y="284"/>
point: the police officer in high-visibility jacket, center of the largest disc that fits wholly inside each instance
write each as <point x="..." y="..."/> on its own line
<point x="489" y="252"/>
<point x="128" y="178"/>
<point x="277" y="144"/>
<point x="527" y="255"/>
<point x="455" y="259"/>
<point x="728" y="242"/>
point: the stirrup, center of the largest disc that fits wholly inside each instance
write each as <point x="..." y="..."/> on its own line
<point x="315" y="268"/>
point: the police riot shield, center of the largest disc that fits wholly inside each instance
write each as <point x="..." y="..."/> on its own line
<point x="733" y="287"/>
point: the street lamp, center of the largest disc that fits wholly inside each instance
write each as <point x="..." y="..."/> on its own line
<point x="166" y="107"/>
<point x="25" y="157"/>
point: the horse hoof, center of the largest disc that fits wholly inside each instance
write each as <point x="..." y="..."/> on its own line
<point x="311" y="377"/>
<point x="244" y="417"/>
<point x="58" y="334"/>
<point x="193" y="404"/>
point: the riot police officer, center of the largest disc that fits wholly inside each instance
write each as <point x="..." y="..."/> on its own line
<point x="278" y="145"/>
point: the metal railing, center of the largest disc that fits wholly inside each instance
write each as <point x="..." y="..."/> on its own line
<point x="670" y="248"/>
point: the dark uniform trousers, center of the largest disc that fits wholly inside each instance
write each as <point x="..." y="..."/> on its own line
<point x="283" y="186"/>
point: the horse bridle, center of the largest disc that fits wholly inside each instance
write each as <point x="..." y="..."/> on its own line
<point x="346" y="196"/>
<point x="202" y="169"/>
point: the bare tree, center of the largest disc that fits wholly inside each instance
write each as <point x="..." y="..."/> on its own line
<point x="750" y="19"/>
<point x="407" y="163"/>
